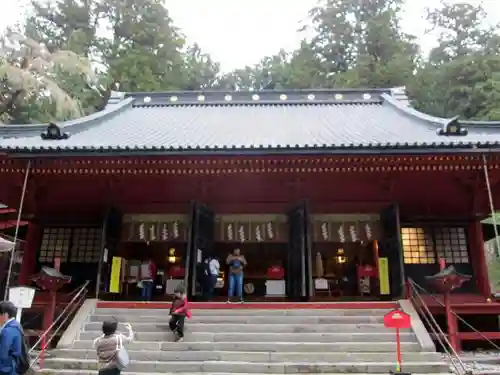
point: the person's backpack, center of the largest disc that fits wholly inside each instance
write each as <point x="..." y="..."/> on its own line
<point x="23" y="361"/>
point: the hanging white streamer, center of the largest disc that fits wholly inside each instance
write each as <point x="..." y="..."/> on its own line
<point x="230" y="234"/>
<point x="142" y="232"/>
<point x="164" y="232"/>
<point x="341" y="233"/>
<point x="175" y="229"/>
<point x="258" y="234"/>
<point x="352" y="232"/>
<point x="368" y="231"/>
<point x="242" y="233"/>
<point x="152" y="233"/>
<point x="324" y="231"/>
<point x="270" y="232"/>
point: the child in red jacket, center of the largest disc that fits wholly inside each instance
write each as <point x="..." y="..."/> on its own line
<point x="179" y="311"/>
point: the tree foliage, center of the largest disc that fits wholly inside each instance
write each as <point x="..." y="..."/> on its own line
<point x="134" y="45"/>
<point x="462" y="74"/>
<point x="31" y="77"/>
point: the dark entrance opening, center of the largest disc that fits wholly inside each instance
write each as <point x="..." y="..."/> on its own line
<point x="299" y="268"/>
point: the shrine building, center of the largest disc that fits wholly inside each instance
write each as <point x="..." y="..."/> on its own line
<point x="329" y="194"/>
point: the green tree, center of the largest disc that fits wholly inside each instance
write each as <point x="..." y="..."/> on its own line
<point x="200" y="70"/>
<point x="31" y="86"/>
<point x="65" y="24"/>
<point x="462" y="75"/>
<point x="299" y="69"/>
<point x="139" y="50"/>
<point x="467" y="86"/>
<point x="144" y="50"/>
<point x="462" y="29"/>
<point x="360" y="43"/>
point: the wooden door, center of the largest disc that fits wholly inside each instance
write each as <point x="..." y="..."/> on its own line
<point x="299" y="267"/>
<point x="200" y="243"/>
<point x="391" y="247"/>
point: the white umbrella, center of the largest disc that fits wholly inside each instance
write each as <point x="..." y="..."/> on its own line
<point x="5" y="245"/>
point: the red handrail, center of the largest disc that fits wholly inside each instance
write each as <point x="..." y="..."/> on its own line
<point x="63" y="317"/>
<point x="418" y="302"/>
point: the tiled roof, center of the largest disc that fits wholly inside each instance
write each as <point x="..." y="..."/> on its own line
<point x="271" y="121"/>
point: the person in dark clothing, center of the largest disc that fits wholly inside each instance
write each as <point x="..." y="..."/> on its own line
<point x="178" y="312"/>
<point x="10" y="339"/>
<point x="352" y="277"/>
<point x="211" y="270"/>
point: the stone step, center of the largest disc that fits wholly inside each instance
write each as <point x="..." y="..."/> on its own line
<point x="267" y="337"/>
<point x="141" y="355"/>
<point x="278" y="347"/>
<point x="248" y="312"/>
<point x="242" y="319"/>
<point x="262" y="328"/>
<point x="49" y="371"/>
<point x="256" y="367"/>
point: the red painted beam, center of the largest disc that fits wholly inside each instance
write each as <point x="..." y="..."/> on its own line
<point x="480" y="336"/>
<point x="252" y="305"/>
<point x="475" y="336"/>
<point x="11" y="224"/>
<point x="469" y="309"/>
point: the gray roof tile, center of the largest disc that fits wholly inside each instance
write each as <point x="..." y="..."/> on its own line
<point x="304" y="120"/>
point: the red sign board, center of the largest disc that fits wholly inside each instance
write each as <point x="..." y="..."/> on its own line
<point x="397" y="319"/>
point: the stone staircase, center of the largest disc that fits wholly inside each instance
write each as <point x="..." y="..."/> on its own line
<point x="251" y="341"/>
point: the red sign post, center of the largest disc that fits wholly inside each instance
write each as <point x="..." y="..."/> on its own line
<point x="397" y="319"/>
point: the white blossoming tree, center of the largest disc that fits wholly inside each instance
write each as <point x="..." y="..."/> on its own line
<point x="31" y="80"/>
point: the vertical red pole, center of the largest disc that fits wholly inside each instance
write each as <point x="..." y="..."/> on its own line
<point x="451" y="320"/>
<point x="48" y="319"/>
<point x="48" y="316"/>
<point x="30" y="250"/>
<point x="478" y="258"/>
<point x="398" y="350"/>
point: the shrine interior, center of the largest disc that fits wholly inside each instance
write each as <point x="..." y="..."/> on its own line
<point x="341" y="249"/>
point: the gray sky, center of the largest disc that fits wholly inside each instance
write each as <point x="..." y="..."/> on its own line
<point x="240" y="32"/>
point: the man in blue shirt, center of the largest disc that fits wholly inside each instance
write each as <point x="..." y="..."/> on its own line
<point x="10" y="338"/>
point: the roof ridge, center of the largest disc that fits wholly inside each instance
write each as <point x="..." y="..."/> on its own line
<point x="70" y="126"/>
<point x="303" y="96"/>
<point x="400" y="103"/>
<point x="259" y="104"/>
<point x="409" y="111"/>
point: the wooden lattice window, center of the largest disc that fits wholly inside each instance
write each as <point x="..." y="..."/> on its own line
<point x="451" y="244"/>
<point x="418" y="247"/>
<point x="55" y="243"/>
<point x="427" y="245"/>
<point x="86" y="245"/>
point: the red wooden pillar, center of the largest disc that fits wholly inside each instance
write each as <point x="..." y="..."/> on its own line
<point x="452" y="322"/>
<point x="28" y="265"/>
<point x="451" y="319"/>
<point x="478" y="258"/>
